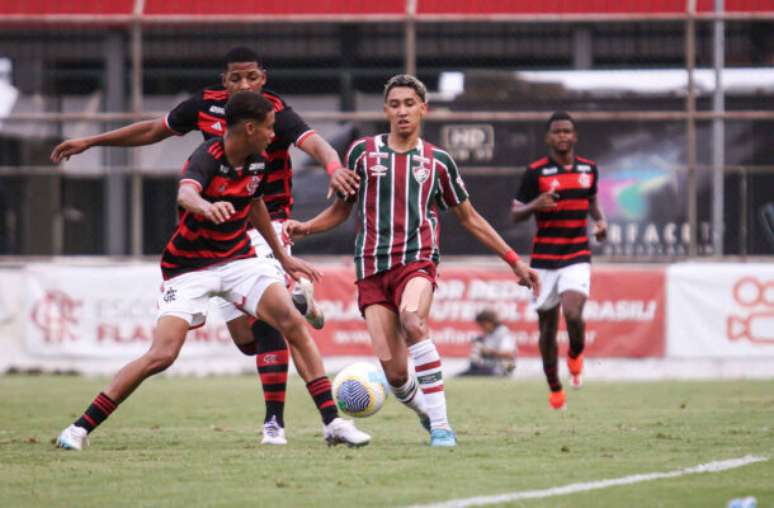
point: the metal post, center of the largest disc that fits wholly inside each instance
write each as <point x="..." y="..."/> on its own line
<point x="743" y="215"/>
<point x="582" y="50"/>
<point x="115" y="181"/>
<point x="690" y="109"/>
<point x="410" y="38"/>
<point x="137" y="195"/>
<point x="718" y="132"/>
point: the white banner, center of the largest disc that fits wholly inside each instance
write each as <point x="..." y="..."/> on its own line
<point x="105" y="312"/>
<point x="720" y="310"/>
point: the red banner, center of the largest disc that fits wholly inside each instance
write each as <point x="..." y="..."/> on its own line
<point x="624" y="315"/>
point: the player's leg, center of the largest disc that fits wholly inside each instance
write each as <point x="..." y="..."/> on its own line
<point x="168" y="338"/>
<point x="256" y="338"/>
<point x="416" y="296"/>
<point x="548" y="322"/>
<point x="390" y="348"/>
<point x="574" y="285"/>
<point x="275" y="307"/>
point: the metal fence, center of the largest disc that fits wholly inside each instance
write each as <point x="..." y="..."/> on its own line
<point x="116" y="67"/>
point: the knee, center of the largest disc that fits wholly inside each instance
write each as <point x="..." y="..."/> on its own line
<point x="573" y="317"/>
<point x="160" y="360"/>
<point x="291" y="325"/>
<point x="397" y="378"/>
<point x="414" y="326"/>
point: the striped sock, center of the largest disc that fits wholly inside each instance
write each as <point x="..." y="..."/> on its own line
<point x="552" y="376"/>
<point x="411" y="395"/>
<point x="320" y="390"/>
<point x="96" y="413"/>
<point x="272" y="364"/>
<point x="427" y="364"/>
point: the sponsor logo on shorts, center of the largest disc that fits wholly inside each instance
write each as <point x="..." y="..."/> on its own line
<point x="170" y="295"/>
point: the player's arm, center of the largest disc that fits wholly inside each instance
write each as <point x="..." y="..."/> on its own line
<point x="545" y="201"/>
<point x="326" y="220"/>
<point x="600" y="223"/>
<point x="142" y="133"/>
<point x="480" y="228"/>
<point x="260" y="219"/>
<point x="343" y="181"/>
<point x="189" y="197"/>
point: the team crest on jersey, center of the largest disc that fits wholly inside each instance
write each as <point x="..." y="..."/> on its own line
<point x="420" y="170"/>
<point x="253" y="184"/>
<point x="584" y="180"/>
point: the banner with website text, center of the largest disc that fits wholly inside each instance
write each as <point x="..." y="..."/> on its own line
<point x="624" y="315"/>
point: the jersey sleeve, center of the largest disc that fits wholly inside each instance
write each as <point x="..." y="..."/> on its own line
<point x="529" y="187"/>
<point x="451" y="188"/>
<point x="199" y="168"/>
<point x="182" y="119"/>
<point x="290" y="128"/>
<point x="595" y="174"/>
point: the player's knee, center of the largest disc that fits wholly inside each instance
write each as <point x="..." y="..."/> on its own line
<point x="249" y="349"/>
<point x="573" y="317"/>
<point x="160" y="360"/>
<point x="414" y="326"/>
<point x="291" y="325"/>
<point x="397" y="378"/>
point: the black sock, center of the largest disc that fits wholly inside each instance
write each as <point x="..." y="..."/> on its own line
<point x="96" y="413"/>
<point x="552" y="376"/>
<point x="320" y="390"/>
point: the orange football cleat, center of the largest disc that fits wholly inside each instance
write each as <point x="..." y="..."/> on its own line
<point x="575" y="366"/>
<point x="557" y="400"/>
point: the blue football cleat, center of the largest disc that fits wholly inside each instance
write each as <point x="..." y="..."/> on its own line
<point x="443" y="437"/>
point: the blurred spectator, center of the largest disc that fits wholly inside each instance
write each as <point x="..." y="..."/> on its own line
<point x="494" y="352"/>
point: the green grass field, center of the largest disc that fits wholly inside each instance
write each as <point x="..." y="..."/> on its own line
<point x="194" y="442"/>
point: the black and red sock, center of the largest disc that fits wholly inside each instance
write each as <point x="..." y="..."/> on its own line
<point x="552" y="377"/>
<point x="272" y="363"/>
<point x="320" y="390"/>
<point x="96" y="413"/>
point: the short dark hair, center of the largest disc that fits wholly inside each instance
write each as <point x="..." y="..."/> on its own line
<point x="560" y="115"/>
<point x="241" y="54"/>
<point x="408" y="81"/>
<point x="247" y="106"/>
<point x="487" y="316"/>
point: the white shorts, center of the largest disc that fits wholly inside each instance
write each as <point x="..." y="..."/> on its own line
<point x="241" y="283"/>
<point x="553" y="283"/>
<point x="228" y="310"/>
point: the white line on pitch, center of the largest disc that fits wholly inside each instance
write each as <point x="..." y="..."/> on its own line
<point x="710" y="467"/>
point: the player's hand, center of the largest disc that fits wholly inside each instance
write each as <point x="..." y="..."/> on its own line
<point x="343" y="182"/>
<point x="600" y="230"/>
<point x="218" y="212"/>
<point x="64" y="150"/>
<point x="527" y="277"/>
<point x="295" y="230"/>
<point x="298" y="268"/>
<point x="546" y="201"/>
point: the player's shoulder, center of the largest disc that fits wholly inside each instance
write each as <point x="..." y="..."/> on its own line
<point x="213" y="94"/>
<point x="584" y="160"/>
<point x="539" y="164"/>
<point x="276" y="101"/>
<point x="211" y="150"/>
<point x="357" y="148"/>
<point x="439" y="153"/>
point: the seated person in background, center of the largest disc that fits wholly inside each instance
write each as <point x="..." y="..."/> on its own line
<point x="494" y="352"/>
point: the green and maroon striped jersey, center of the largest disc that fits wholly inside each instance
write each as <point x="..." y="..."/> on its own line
<point x="398" y="202"/>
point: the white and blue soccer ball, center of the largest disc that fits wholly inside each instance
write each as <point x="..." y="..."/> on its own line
<point x="360" y="389"/>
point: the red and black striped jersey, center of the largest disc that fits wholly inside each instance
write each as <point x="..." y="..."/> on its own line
<point x="197" y="242"/>
<point x="205" y="112"/>
<point x="562" y="234"/>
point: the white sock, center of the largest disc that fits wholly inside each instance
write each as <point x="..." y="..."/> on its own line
<point x="411" y="395"/>
<point x="427" y="363"/>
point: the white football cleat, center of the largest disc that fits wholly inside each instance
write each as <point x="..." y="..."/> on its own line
<point x="273" y="434"/>
<point x="304" y="290"/>
<point x="344" y="431"/>
<point x="73" y="438"/>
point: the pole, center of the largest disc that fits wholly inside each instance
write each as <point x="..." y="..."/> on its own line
<point x="690" y="108"/>
<point x="410" y="38"/>
<point x="718" y="132"/>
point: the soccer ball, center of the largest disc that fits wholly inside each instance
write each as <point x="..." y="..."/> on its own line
<point x="360" y="389"/>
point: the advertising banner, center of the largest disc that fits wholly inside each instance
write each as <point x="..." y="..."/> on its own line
<point x="721" y="310"/>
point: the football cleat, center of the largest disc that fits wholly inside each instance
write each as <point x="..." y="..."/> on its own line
<point x="443" y="438"/>
<point x="344" y="431"/>
<point x="558" y="400"/>
<point x="273" y="434"/>
<point x="303" y="293"/>
<point x="575" y="366"/>
<point x="73" y="438"/>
